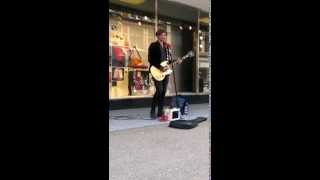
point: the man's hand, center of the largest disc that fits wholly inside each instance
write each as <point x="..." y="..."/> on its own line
<point x="179" y="61"/>
<point x="164" y="63"/>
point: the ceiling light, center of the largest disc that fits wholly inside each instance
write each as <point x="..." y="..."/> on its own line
<point x="133" y="2"/>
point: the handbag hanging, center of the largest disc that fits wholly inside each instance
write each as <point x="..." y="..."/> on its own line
<point x="118" y="56"/>
<point x="135" y="59"/>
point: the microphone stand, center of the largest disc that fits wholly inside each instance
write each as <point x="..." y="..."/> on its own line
<point x="174" y="78"/>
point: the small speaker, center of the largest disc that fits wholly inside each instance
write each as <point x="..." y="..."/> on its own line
<point x="173" y="114"/>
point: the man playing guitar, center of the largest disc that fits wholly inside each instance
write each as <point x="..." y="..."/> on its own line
<point x="158" y="52"/>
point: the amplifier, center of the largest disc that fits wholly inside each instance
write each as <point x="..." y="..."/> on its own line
<point x="172" y="114"/>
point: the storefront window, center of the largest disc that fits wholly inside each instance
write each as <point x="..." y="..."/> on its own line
<point x="204" y="54"/>
<point x="132" y="29"/>
<point x="130" y="36"/>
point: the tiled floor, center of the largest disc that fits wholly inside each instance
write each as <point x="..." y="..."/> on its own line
<point x="136" y="118"/>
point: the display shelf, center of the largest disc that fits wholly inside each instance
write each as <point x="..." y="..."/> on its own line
<point x="137" y="69"/>
<point x="129" y="47"/>
<point x="131" y="68"/>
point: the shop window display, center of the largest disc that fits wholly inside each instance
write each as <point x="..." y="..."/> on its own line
<point x="204" y="62"/>
<point x="130" y="37"/>
<point x="128" y="63"/>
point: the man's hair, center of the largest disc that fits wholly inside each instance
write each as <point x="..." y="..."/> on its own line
<point x="160" y="31"/>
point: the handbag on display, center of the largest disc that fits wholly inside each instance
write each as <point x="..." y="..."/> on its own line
<point x="118" y="56"/>
<point x="135" y="59"/>
<point x="115" y="74"/>
<point x="118" y="74"/>
<point x="138" y="81"/>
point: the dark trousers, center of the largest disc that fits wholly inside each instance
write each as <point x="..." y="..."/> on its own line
<point x="159" y="96"/>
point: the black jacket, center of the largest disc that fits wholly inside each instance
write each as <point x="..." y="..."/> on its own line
<point x="154" y="54"/>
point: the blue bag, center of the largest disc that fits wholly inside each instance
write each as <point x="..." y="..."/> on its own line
<point x="180" y="102"/>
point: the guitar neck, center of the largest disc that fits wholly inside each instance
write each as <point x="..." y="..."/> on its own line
<point x="183" y="58"/>
<point x="189" y="54"/>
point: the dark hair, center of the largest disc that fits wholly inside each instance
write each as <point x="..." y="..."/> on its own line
<point x="160" y="31"/>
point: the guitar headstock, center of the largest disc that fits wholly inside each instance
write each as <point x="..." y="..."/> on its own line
<point x="188" y="55"/>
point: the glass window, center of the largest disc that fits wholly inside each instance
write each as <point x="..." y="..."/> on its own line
<point x="132" y="29"/>
<point x="129" y="37"/>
